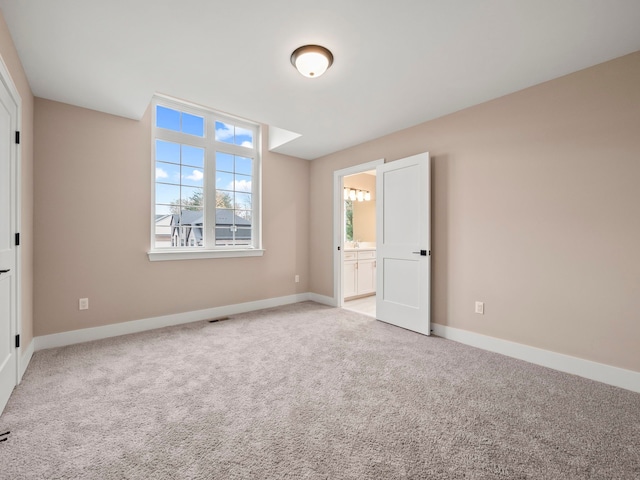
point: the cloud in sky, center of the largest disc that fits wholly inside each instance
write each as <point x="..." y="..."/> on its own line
<point x="238" y="186"/>
<point x="196" y="176"/>
<point x="241" y="185"/>
<point x="234" y="134"/>
<point x="160" y="173"/>
<point x="224" y="131"/>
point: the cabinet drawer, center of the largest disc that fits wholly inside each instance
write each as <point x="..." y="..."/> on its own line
<point x="366" y="255"/>
<point x="350" y="256"/>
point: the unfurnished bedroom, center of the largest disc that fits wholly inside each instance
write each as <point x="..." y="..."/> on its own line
<point x="336" y="240"/>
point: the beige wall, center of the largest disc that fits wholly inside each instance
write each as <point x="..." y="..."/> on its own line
<point x="10" y="57"/>
<point x="364" y="213"/>
<point x="92" y="214"/>
<point x="535" y="212"/>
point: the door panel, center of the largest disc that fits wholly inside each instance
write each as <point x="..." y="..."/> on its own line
<point x="401" y="206"/>
<point x="8" y="188"/>
<point x="403" y="234"/>
<point x="407" y="292"/>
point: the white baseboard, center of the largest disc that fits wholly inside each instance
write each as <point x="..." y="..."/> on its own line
<point x="615" y="376"/>
<point x="135" y="326"/>
<point x="324" y="300"/>
<point x="25" y="359"/>
<point x="618" y="377"/>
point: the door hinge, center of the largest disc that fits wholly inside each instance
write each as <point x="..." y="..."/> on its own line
<point x="17" y="137"/>
<point x="17" y="239"/>
<point x="17" y="341"/>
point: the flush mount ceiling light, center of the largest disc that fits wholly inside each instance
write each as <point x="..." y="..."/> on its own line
<point x="311" y="60"/>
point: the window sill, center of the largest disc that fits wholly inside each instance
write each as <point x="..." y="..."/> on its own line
<point x="163" y="255"/>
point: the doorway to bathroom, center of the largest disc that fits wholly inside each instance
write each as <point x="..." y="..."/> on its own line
<point x="355" y="262"/>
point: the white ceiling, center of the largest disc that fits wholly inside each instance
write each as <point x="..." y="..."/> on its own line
<point x="397" y="63"/>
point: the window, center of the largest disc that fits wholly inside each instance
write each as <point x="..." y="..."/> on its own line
<point x="348" y="220"/>
<point x="206" y="180"/>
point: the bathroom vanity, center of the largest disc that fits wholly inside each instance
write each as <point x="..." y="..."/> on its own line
<point x="359" y="272"/>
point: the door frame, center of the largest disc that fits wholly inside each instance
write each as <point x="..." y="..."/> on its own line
<point x="16" y="180"/>
<point x="338" y="223"/>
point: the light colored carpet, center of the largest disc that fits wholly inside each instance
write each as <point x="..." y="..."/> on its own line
<point x="309" y="392"/>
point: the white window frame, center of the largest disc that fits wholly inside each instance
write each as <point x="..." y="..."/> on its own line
<point x="211" y="146"/>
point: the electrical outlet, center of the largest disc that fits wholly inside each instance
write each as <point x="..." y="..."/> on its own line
<point x="83" y="304"/>
<point x="297" y="278"/>
<point x="480" y="308"/>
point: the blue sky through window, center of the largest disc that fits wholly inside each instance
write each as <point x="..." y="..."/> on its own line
<point x="167" y="151"/>
<point x="177" y="165"/>
<point x="228" y="133"/>
<point x="179" y="121"/>
<point x="193" y="125"/>
<point x="234" y="176"/>
<point x="167" y="118"/>
<point x="244" y="165"/>
<point x="224" y="162"/>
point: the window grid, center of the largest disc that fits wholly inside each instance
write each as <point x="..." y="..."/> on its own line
<point x="234" y="179"/>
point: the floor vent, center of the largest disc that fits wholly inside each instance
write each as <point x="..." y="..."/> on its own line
<point x="219" y="319"/>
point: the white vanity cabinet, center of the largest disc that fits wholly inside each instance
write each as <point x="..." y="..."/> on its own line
<point x="366" y="272"/>
<point x="349" y="272"/>
<point x="359" y="273"/>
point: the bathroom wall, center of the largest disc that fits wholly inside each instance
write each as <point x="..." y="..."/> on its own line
<point x="364" y="213"/>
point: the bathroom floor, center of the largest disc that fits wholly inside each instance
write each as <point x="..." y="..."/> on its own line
<point x="365" y="305"/>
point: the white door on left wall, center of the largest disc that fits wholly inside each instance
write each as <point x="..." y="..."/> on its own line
<point x="8" y="264"/>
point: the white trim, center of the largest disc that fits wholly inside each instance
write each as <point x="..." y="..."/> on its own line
<point x="338" y="227"/>
<point x="26" y="359"/>
<point x="323" y="299"/>
<point x="162" y="255"/>
<point x="618" y="377"/>
<point x="615" y="376"/>
<point x="135" y="326"/>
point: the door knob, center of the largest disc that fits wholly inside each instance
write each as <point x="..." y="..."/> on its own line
<point x="5" y="271"/>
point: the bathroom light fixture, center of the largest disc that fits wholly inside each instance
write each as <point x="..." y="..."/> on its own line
<point x="353" y="195"/>
<point x="311" y="60"/>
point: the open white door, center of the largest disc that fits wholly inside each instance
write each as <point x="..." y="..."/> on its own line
<point x="404" y="243"/>
<point x="8" y="264"/>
